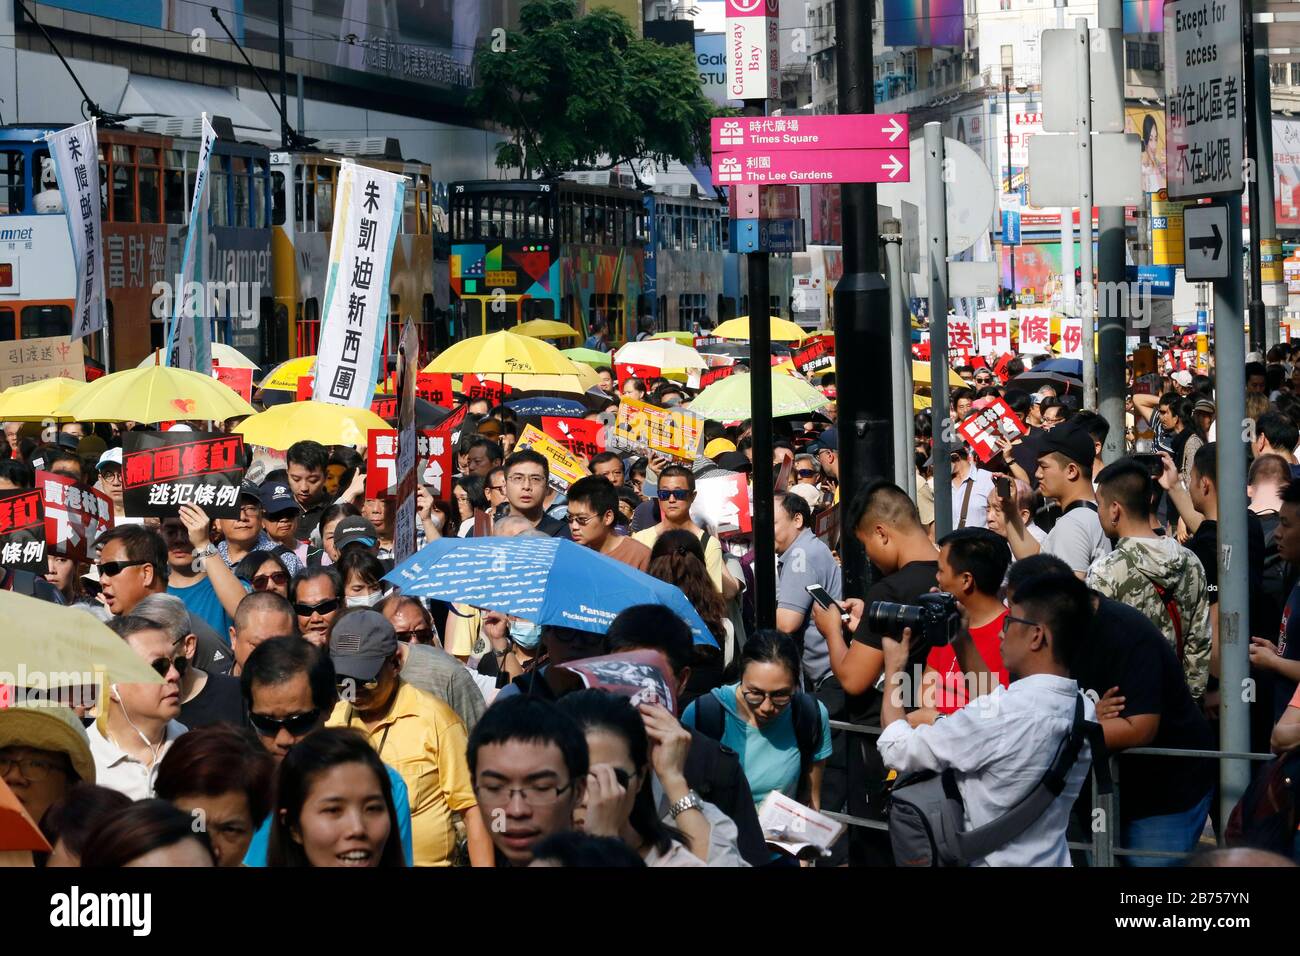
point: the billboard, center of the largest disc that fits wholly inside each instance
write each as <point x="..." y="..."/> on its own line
<point x="925" y="23"/>
<point x="1149" y="124"/>
<point x="1144" y="16"/>
<point x="711" y="59"/>
<point x="422" y="41"/>
<point x="1286" y="172"/>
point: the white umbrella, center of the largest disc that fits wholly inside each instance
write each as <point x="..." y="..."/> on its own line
<point x="224" y="355"/>
<point x="660" y="353"/>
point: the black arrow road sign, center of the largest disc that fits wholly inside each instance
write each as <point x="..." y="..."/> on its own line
<point x="1206" y="242"/>
<point x="1213" y="244"/>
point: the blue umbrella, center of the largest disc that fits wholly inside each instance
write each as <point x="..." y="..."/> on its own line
<point x="1063" y="365"/>
<point x="544" y="580"/>
<point x="537" y="407"/>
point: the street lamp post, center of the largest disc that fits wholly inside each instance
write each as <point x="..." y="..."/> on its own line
<point x="1011" y="250"/>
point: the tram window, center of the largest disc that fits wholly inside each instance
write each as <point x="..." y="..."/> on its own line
<point x="12" y="186"/>
<point x="257" y="211"/>
<point x="239" y="190"/>
<point x="147" y="178"/>
<point x="219" y="184"/>
<point x="43" y="321"/>
<point x="324" y="199"/>
<point x="123" y="184"/>
<point x="277" y="199"/>
<point x="538" y="309"/>
<point x="6" y="325"/>
<point x="174" y="197"/>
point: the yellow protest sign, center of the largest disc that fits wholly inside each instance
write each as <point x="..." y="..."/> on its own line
<point x="565" y="467"/>
<point x="670" y="431"/>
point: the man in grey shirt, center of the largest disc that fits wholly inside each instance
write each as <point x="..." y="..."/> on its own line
<point x="803" y="559"/>
<point x="426" y="665"/>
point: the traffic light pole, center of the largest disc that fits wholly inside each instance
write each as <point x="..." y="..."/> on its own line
<point x="862" y="337"/>
<point x="1110" y="262"/>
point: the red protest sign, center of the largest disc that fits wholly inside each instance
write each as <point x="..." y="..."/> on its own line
<point x="582" y="437"/>
<point x="478" y="386"/>
<point x="75" y="515"/>
<point x="435" y="388"/>
<point x="163" y="470"/>
<point x="983" y="429"/>
<point x="433" y="462"/>
<point x="815" y="357"/>
<point x="711" y="375"/>
<point x="385" y="407"/>
<point x="238" y="379"/>
<point x="626" y="370"/>
<point x="306" y="387"/>
<point x="22" y="531"/>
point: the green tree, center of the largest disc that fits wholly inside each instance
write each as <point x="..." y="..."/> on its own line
<point x="588" y="93"/>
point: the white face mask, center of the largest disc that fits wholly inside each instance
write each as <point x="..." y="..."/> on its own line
<point x="365" y="600"/>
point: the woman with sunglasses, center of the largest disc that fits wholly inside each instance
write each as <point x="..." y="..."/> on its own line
<point x="627" y="745"/>
<point x="265" y="571"/>
<point x="334" y="805"/>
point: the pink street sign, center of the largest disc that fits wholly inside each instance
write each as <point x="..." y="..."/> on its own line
<point x="812" y="166"/>
<point x="855" y="131"/>
<point x="752" y="8"/>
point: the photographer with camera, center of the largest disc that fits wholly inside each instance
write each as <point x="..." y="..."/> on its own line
<point x="1001" y="745"/>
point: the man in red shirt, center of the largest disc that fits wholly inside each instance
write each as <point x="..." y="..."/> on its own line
<point x="972" y="565"/>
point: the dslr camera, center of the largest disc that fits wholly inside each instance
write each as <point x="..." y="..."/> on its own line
<point x="934" y="619"/>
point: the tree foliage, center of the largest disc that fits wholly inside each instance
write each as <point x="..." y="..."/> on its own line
<point x="575" y="92"/>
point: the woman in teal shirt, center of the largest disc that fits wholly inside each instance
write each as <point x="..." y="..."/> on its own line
<point x="759" y="721"/>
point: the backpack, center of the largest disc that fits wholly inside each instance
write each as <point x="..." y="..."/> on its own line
<point x="1266" y="816"/>
<point x="711" y="720"/>
<point x="926" y="813"/>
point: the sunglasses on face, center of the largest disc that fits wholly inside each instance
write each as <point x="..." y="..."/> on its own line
<point x="669" y="494"/>
<point x="422" y="635"/>
<point x="263" y="581"/>
<point x="345" y="684"/>
<point x="163" y="664"/>
<point x="805" y="473"/>
<point x="296" y="724"/>
<point x="323" y="608"/>
<point x="111" y="569"/>
<point x="282" y="516"/>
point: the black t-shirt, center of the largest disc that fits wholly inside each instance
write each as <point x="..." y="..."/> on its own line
<point x="904" y="586"/>
<point x="1025" y="453"/>
<point x="1265" y="612"/>
<point x="218" y="702"/>
<point x="1125" y="650"/>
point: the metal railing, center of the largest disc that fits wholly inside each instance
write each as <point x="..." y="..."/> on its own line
<point x="1103" y="846"/>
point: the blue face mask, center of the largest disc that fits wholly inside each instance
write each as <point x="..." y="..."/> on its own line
<point x="526" y="634"/>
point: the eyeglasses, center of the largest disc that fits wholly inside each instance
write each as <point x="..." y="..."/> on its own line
<point x="263" y="581"/>
<point x="668" y="494"/>
<point x="323" y="608"/>
<point x="421" y="635"/>
<point x="35" y="769"/>
<point x="112" y="476"/>
<point x="806" y="473"/>
<point x="499" y="489"/>
<point x="248" y="508"/>
<point x="111" y="569"/>
<point x="755" y="698"/>
<point x="520" y="480"/>
<point x="535" y="795"/>
<point x="164" y="664"/>
<point x="580" y="520"/>
<point x="296" y="724"/>
<point x="343" y="683"/>
<point x="1012" y="619"/>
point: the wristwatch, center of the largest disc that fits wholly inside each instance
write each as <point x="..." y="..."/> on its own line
<point x="692" y="801"/>
<point x="206" y="551"/>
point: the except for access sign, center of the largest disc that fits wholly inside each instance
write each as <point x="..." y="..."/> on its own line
<point x="1204" y="97"/>
<point x="812" y="166"/>
<point x="854" y="131"/>
<point x="1205" y="235"/>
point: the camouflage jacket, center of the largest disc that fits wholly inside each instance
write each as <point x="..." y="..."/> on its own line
<point x="1130" y="574"/>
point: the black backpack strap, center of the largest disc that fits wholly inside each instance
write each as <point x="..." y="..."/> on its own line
<point x="807" y="719"/>
<point x="980" y="842"/>
<point x="710" y="718"/>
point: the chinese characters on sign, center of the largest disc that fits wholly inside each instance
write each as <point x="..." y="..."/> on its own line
<point x="983" y="429"/>
<point x="480" y="386"/>
<point x="961" y="334"/>
<point x="564" y="467"/>
<point x="22" y="531"/>
<point x="238" y="379"/>
<point x="435" y="388"/>
<point x="34" y="360"/>
<point x="582" y="437"/>
<point x="433" y="462"/>
<point x="75" y="515"/>
<point x="626" y="370"/>
<point x="815" y="357"/>
<point x="163" y="470"/>
<point x="671" y="431"/>
<point x="1035" y="332"/>
<point x="75" y="151"/>
<point x="994" y="332"/>
<point x="189" y="338"/>
<point x="1072" y="337"/>
<point x="367" y="212"/>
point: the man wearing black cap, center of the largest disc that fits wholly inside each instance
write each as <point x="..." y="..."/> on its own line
<point x="1065" y="458"/>
<point x="356" y="531"/>
<point x="412" y="731"/>
<point x="280" y="513"/>
<point x="827" y="450"/>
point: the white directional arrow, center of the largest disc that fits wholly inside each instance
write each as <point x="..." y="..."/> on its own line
<point x="895" y="128"/>
<point x="894" y="166"/>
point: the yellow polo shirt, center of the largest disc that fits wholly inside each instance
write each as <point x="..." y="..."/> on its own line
<point x="424" y="740"/>
<point x="712" y="552"/>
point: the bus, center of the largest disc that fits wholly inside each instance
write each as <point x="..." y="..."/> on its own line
<point x="303" y="211"/>
<point x="146" y="182"/>
<point x="558" y="249"/>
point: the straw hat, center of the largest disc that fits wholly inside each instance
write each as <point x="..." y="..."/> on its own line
<point x="47" y="726"/>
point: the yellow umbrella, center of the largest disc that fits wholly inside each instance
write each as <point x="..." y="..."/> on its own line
<point x="502" y="353"/>
<point x="546" y="329"/>
<point x="222" y="354"/>
<point x="681" y="338"/>
<point x="738" y="328"/>
<point x="587" y="376"/>
<point x="284" y="377"/>
<point x="281" y="426"/>
<point x="35" y="401"/>
<point x="154" y="394"/>
<point x="64" y="647"/>
<point x="921" y="375"/>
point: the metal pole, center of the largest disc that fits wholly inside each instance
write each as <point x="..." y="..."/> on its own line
<point x="1234" y="593"/>
<point x="866" y="414"/>
<point x="760" y="393"/>
<point x="302" y="112"/>
<point x="936" y="222"/>
<point x="1067" y="221"/>
<point x="284" y="82"/>
<point x="1261" y="148"/>
<point x="1110" y="264"/>
<point x="1255" y="307"/>
<point x="900" y="345"/>
<point x="1085" y="216"/>
<point x="1011" y="250"/>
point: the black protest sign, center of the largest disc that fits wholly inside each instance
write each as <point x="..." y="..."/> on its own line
<point x="22" y="531"/>
<point x="163" y="470"/>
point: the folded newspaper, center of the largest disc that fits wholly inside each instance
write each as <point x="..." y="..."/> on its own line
<point x="790" y="826"/>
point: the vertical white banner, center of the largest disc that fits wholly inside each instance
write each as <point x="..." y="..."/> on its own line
<point x="367" y="213"/>
<point x="75" y="152"/>
<point x="189" y="339"/>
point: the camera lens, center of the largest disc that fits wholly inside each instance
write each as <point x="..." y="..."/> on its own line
<point x="889" y="619"/>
